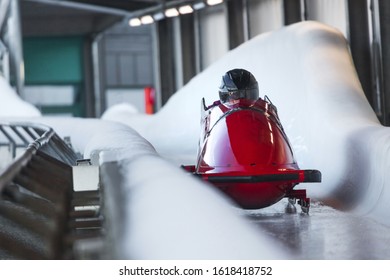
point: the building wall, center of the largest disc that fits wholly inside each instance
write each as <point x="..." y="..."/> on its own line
<point x="127" y="56"/>
<point x="331" y="12"/>
<point x="214" y="35"/>
<point x="259" y="16"/>
<point x="54" y="79"/>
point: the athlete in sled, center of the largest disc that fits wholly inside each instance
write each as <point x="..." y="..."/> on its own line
<point x="243" y="149"/>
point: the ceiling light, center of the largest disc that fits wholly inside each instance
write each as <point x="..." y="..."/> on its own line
<point x="148" y="19"/>
<point x="135" y="22"/>
<point x="172" y="12"/>
<point x="187" y="9"/>
<point x="158" y="16"/>
<point x="199" y="5"/>
<point x="214" y="2"/>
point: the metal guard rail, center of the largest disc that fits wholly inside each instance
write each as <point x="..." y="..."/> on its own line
<point x="15" y="167"/>
<point x="39" y="218"/>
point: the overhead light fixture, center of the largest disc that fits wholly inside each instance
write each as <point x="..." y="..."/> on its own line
<point x="187" y="9"/>
<point x="158" y="16"/>
<point x="148" y="19"/>
<point x="214" y="2"/>
<point x="172" y="12"/>
<point x="135" y="22"/>
<point x="199" y="5"/>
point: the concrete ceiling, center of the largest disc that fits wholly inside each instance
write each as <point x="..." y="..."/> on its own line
<point x="77" y="17"/>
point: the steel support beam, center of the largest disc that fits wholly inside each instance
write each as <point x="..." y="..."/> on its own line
<point x="166" y="59"/>
<point x="187" y="27"/>
<point x="14" y="44"/>
<point x="89" y="97"/>
<point x="4" y="7"/>
<point x="360" y="44"/>
<point x="384" y="19"/>
<point x="236" y="22"/>
<point x="292" y="11"/>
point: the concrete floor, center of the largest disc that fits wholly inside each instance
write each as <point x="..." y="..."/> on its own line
<point x="325" y="233"/>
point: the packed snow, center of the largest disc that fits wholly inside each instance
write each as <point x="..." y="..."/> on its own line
<point x="307" y="71"/>
<point x="11" y="105"/>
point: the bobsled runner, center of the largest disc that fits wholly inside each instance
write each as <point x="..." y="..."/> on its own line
<point x="244" y="151"/>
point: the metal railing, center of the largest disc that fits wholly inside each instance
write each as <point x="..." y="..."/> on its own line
<point x="40" y="213"/>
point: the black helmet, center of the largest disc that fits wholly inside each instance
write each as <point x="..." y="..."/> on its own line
<point x="238" y="84"/>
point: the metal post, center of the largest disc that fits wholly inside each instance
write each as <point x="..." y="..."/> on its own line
<point x="88" y="100"/>
<point x="236" y="23"/>
<point x="15" y="46"/>
<point x="360" y="44"/>
<point x="178" y="53"/>
<point x="166" y="58"/>
<point x="384" y="19"/>
<point x="4" y="9"/>
<point x="187" y="25"/>
<point x="292" y="11"/>
<point x="97" y="77"/>
<point x="157" y="67"/>
<point x="197" y="43"/>
<point x="245" y="18"/>
<point x="376" y="60"/>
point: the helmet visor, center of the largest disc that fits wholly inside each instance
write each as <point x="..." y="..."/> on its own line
<point x="227" y="96"/>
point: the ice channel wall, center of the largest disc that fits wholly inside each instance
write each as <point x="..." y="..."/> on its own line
<point x="307" y="71"/>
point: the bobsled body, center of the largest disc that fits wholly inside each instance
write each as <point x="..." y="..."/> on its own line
<point x="244" y="151"/>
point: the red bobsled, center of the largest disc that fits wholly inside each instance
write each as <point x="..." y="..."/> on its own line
<point x="244" y="151"/>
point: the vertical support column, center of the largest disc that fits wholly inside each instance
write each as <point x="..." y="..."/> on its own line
<point x="292" y="11"/>
<point x="384" y="19"/>
<point x="236" y="22"/>
<point x="197" y="41"/>
<point x="89" y="97"/>
<point x="98" y="78"/>
<point x="178" y="53"/>
<point x="166" y="59"/>
<point x="4" y="9"/>
<point x="360" y="44"/>
<point x="14" y="44"/>
<point x="156" y="67"/>
<point x="4" y="52"/>
<point x="188" y="46"/>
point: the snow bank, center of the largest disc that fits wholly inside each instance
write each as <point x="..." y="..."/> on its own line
<point x="307" y="71"/>
<point x="159" y="211"/>
<point x="167" y="214"/>
<point x="175" y="216"/>
<point x="91" y="136"/>
<point x="11" y="105"/>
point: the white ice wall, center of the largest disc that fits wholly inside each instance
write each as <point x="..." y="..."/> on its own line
<point x="307" y="71"/>
<point x="158" y="210"/>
